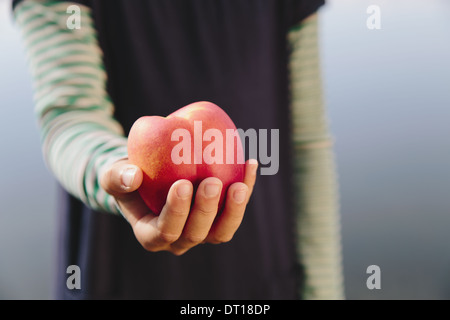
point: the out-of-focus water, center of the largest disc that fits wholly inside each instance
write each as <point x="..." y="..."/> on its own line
<point x="27" y="191"/>
<point x="388" y="94"/>
<point x="388" y="98"/>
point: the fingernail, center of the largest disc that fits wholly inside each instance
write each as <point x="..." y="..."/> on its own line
<point x="239" y="196"/>
<point x="184" y="190"/>
<point x="127" y="177"/>
<point x="212" y="190"/>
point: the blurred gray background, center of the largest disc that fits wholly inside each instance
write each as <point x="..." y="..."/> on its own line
<point x="388" y="98"/>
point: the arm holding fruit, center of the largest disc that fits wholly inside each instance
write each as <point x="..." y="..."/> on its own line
<point x="85" y="148"/>
<point x="80" y="138"/>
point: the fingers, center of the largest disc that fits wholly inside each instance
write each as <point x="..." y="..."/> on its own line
<point x="121" y="178"/>
<point x="200" y="226"/>
<point x="238" y="196"/>
<point x="175" y="212"/>
<point x="201" y="217"/>
<point x="231" y="218"/>
<point x="251" y="166"/>
<point x="156" y="233"/>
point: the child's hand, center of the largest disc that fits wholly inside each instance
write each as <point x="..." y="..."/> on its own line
<point x="179" y="227"/>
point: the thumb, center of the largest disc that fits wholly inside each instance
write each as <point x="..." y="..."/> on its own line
<point x="121" y="178"/>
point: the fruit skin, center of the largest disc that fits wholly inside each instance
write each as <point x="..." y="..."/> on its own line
<point x="150" y="147"/>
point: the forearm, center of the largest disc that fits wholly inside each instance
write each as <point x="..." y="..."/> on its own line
<point x="75" y="115"/>
<point x="316" y="191"/>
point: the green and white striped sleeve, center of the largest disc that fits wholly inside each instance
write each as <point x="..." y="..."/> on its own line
<point x="80" y="137"/>
<point x="316" y="195"/>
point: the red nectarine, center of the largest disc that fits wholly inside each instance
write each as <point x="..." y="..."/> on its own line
<point x="195" y="142"/>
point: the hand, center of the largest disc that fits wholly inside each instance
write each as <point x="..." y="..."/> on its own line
<point x="179" y="227"/>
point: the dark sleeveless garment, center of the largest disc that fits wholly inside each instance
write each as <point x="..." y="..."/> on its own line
<point x="161" y="55"/>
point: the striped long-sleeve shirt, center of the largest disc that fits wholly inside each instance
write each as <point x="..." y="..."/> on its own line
<point x="81" y="138"/>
